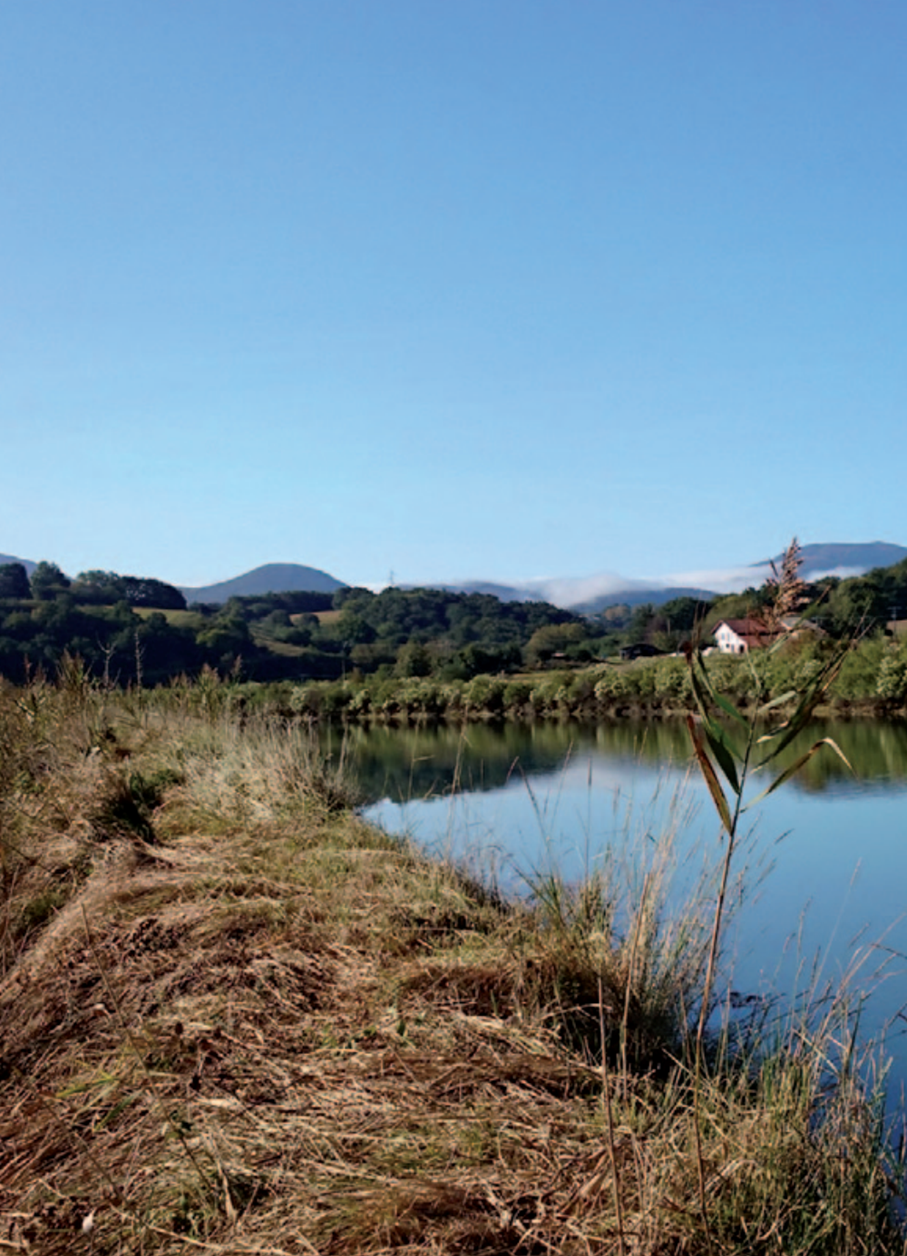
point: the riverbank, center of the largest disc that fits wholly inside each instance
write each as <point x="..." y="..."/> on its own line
<point x="235" y="1018"/>
<point x="872" y="684"/>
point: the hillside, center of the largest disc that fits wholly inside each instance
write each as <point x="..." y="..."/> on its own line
<point x="270" y="578"/>
<point x="846" y="559"/>
<point x="656" y="596"/>
<point x="26" y="563"/>
<point x="584" y="595"/>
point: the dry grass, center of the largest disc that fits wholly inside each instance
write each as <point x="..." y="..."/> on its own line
<point x="235" y="1019"/>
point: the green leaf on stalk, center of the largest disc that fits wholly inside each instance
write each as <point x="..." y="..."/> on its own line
<point x="776" y="702"/>
<point x="699" y="677"/>
<point x="723" y="752"/>
<point x="721" y="745"/>
<point x="708" y="772"/>
<point x="731" y="710"/>
<point x="812" y="696"/>
<point x="795" y="767"/>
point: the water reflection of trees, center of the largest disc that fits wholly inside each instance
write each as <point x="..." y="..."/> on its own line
<point x="876" y="750"/>
<point x="431" y="761"/>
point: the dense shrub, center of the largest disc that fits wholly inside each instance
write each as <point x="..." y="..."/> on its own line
<point x="891" y="683"/>
<point x="672" y="682"/>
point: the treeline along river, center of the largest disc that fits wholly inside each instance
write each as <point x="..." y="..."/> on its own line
<point x="825" y="855"/>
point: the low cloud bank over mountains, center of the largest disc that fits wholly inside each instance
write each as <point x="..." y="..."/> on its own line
<point x="582" y="593"/>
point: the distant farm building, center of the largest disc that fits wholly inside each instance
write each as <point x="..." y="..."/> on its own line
<point x="642" y="650"/>
<point x="738" y="636"/>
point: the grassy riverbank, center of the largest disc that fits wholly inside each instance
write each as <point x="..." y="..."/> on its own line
<point x="236" y="1019"/>
<point x="871" y="683"/>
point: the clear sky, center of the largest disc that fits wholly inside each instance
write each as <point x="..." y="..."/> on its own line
<point x="450" y="288"/>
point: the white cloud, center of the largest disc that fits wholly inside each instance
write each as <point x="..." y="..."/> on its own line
<point x="843" y="573"/>
<point x="572" y="590"/>
<point x="724" y="579"/>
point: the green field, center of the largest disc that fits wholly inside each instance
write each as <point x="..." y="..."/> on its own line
<point x="179" y="619"/>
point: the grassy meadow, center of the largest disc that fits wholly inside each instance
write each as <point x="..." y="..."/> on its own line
<point x="234" y="1018"/>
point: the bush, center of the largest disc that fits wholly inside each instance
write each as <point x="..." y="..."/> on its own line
<point x="612" y="687"/>
<point x="861" y="671"/>
<point x="672" y="682"/>
<point x="419" y="696"/>
<point x="517" y="694"/>
<point x="892" y="678"/>
<point x="550" y="695"/>
<point x="486" y="693"/>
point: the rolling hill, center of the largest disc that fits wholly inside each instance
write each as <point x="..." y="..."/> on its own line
<point x="585" y="595"/>
<point x="845" y="559"/>
<point x="26" y="562"/>
<point x="270" y="578"/>
<point x="590" y="594"/>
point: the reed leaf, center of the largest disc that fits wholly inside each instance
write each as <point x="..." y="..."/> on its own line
<point x="709" y="774"/>
<point x="721" y="745"/>
<point x="812" y="696"/>
<point x="773" y="703"/>
<point x="729" y="709"/>
<point x="797" y="765"/>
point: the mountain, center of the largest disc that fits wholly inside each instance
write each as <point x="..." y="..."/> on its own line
<point x="638" y="596"/>
<point x="845" y="559"/>
<point x="271" y="578"/>
<point x="589" y="594"/>
<point x="503" y="592"/>
<point x="26" y="562"/>
<point x="584" y="594"/>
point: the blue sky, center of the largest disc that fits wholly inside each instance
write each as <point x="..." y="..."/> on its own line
<point x="496" y="288"/>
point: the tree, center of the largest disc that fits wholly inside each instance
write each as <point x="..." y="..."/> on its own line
<point x="14" y="581"/>
<point x="101" y="588"/>
<point x="228" y="634"/>
<point x="475" y="659"/>
<point x="352" y="629"/>
<point x="551" y="639"/>
<point x="642" y="616"/>
<point x="146" y="591"/>
<point x="352" y="596"/>
<point x="413" y="660"/>
<point x="48" y="582"/>
<point x="684" y="613"/>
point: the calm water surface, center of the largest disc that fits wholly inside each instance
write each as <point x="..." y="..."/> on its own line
<point x="827" y="853"/>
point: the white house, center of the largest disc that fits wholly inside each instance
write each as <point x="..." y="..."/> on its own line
<point x="736" y="636"/>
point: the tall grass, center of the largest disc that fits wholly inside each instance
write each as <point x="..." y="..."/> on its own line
<point x="636" y="925"/>
<point x="236" y="1018"/>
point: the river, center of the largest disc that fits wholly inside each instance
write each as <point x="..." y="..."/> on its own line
<point x="825" y="855"/>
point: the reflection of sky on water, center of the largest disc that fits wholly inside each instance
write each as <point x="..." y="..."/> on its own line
<point x="830" y="866"/>
<point x="563" y="818"/>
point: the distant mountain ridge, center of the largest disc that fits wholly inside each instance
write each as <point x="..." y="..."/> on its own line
<point x="563" y="594"/>
<point x="270" y="578"/>
<point x="585" y="595"/>
<point x="26" y="562"/>
<point x="590" y="594"/>
<point x="844" y="558"/>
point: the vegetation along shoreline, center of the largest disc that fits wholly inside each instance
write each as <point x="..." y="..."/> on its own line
<point x="435" y="652"/>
